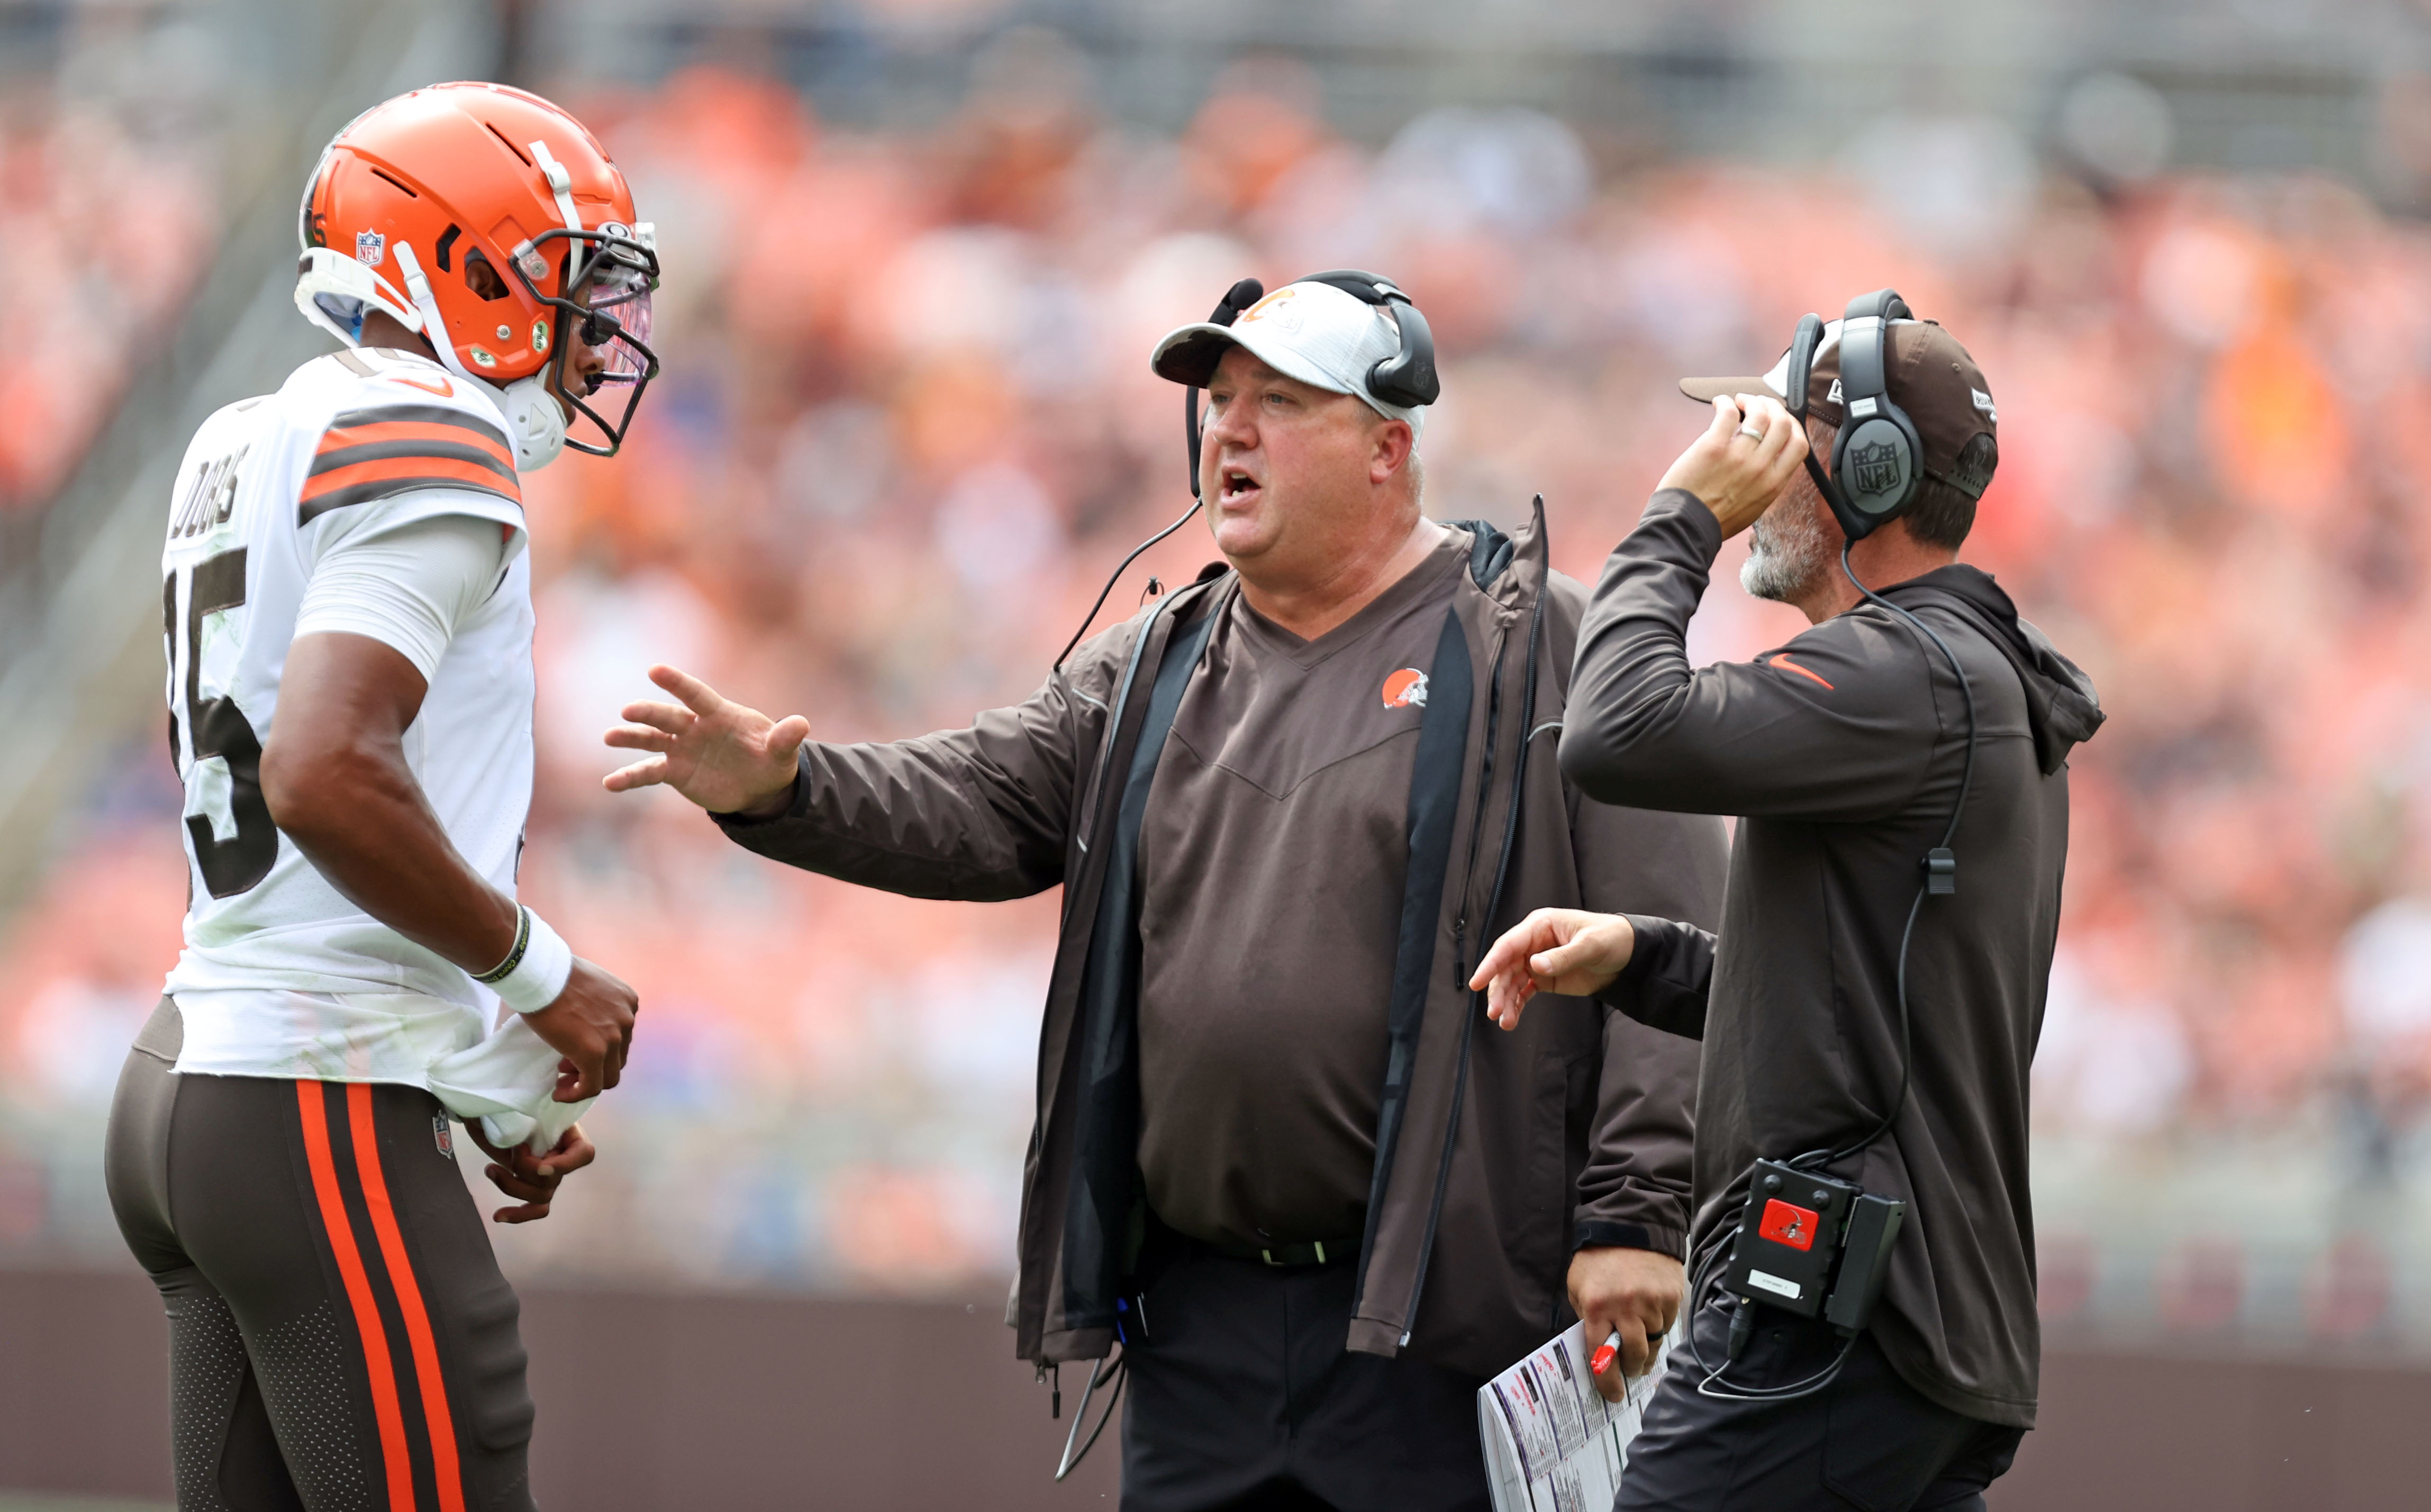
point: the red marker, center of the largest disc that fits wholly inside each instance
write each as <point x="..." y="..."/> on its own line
<point x="1606" y="1354"/>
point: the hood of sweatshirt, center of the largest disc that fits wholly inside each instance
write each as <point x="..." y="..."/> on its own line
<point x="2062" y="708"/>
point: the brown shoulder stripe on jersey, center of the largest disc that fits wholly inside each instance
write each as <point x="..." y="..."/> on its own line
<point x="424" y="474"/>
<point x="426" y="414"/>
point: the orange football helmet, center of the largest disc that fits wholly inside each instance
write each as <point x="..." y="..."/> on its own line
<point x="492" y="222"/>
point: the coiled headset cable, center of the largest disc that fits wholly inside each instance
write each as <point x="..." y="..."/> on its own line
<point x="1942" y="876"/>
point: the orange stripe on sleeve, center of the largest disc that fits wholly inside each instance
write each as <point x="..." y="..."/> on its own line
<point x="385" y="1409"/>
<point x="1781" y="658"/>
<point x="398" y="467"/>
<point x="409" y="1299"/>
<point x="338" y="438"/>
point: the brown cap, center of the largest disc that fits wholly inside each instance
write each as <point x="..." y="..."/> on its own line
<point x="1928" y="375"/>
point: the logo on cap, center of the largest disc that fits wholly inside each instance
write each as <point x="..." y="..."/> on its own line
<point x="1874" y="469"/>
<point x="1276" y="307"/>
<point x="1406" y="689"/>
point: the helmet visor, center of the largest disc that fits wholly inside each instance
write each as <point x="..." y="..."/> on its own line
<point x="617" y="323"/>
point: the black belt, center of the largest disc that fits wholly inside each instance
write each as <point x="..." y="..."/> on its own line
<point x="1316" y="1251"/>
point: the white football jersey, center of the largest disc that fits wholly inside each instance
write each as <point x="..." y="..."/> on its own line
<point x="281" y="976"/>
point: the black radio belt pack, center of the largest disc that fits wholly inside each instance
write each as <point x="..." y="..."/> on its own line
<point x="1813" y="1245"/>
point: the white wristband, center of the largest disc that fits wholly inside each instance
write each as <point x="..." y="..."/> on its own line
<point x="535" y="971"/>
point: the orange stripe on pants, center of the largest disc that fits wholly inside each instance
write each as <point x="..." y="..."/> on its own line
<point x="409" y="1299"/>
<point x="385" y="1409"/>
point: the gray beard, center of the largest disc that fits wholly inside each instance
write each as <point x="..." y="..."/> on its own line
<point x="1786" y="554"/>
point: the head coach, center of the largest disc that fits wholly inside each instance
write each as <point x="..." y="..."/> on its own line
<point x="1870" y="1011"/>
<point x="1288" y="804"/>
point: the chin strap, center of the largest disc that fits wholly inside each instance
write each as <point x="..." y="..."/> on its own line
<point x="434" y="328"/>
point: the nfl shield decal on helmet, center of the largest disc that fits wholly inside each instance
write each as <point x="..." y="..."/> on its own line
<point x="370" y="248"/>
<point x="1874" y="469"/>
<point x="1406" y="689"/>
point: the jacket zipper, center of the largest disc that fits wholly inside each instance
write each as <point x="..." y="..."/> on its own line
<point x="1459" y="965"/>
<point x="1477" y="820"/>
<point x="1460" y="933"/>
<point x="1105" y="757"/>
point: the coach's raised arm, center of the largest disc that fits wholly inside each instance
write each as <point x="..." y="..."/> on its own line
<point x="1869" y="1008"/>
<point x="1288" y="803"/>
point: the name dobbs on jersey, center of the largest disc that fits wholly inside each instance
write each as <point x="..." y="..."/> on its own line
<point x="210" y="499"/>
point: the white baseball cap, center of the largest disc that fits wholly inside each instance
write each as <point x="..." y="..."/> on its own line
<point x="1314" y="332"/>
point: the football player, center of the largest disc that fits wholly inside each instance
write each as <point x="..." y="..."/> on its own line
<point x="346" y="598"/>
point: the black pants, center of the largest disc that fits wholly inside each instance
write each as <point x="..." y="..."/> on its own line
<point x="1242" y="1395"/>
<point x="1869" y="1442"/>
<point x="339" y="1337"/>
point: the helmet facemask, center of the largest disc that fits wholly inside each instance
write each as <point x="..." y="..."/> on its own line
<point x="610" y="273"/>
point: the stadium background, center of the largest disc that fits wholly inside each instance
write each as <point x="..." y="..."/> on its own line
<point x="916" y="254"/>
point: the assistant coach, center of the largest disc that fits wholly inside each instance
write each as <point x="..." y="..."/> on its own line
<point x="1871" y="1008"/>
<point x="1287" y="806"/>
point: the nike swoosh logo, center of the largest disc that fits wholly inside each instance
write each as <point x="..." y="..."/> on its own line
<point x="444" y="388"/>
<point x="1781" y="659"/>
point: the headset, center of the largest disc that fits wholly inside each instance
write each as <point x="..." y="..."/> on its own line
<point x="1877" y="460"/>
<point x="1407" y="380"/>
<point x="1877" y="466"/>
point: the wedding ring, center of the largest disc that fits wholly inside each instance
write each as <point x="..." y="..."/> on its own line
<point x="1750" y="433"/>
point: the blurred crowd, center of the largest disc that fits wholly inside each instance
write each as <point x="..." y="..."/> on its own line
<point x="907" y="426"/>
<point x="106" y="222"/>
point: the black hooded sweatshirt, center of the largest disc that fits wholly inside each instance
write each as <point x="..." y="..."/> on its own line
<point x="1843" y="752"/>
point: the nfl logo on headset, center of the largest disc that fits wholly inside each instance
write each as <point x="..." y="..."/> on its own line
<point x="1874" y="469"/>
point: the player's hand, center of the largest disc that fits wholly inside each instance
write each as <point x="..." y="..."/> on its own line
<point x="591" y="1024"/>
<point x="532" y="1179"/>
<point x="1553" y="950"/>
<point x="1634" y="1293"/>
<point x="727" y="757"/>
<point x="1742" y="461"/>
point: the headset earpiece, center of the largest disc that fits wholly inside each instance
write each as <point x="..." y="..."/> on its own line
<point x="1876" y="457"/>
<point x="1406" y="378"/>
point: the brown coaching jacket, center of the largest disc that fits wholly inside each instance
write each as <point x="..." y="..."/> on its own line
<point x="1844" y="752"/>
<point x="1496" y="1154"/>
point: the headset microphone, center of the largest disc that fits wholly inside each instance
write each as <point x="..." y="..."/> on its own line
<point x="1235" y="302"/>
<point x="1236" y="299"/>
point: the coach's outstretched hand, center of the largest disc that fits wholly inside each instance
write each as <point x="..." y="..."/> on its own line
<point x="1567" y="951"/>
<point x="727" y="757"/>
